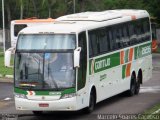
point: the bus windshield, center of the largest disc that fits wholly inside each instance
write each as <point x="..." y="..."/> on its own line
<point x="44" y="70"/>
<point x="46" y="41"/>
<point x="45" y="62"/>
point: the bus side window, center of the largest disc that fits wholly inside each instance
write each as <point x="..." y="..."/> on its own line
<point x="103" y="41"/>
<point x="110" y="38"/>
<point x="125" y="35"/>
<point x="90" y="48"/>
<point x="90" y="44"/>
<point x="142" y="31"/>
<point x="117" y="37"/>
<point x="127" y="30"/>
<point x="136" y="31"/>
<point x="132" y="33"/>
<point x="146" y="27"/>
<point x="93" y="42"/>
<point x="139" y="30"/>
<point x="18" y="28"/>
<point x="115" y="45"/>
<point x="119" y="41"/>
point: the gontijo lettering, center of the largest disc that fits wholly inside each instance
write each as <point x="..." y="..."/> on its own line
<point x="102" y="63"/>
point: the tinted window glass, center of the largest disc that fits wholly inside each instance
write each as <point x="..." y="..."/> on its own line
<point x="93" y="43"/>
<point x="118" y="36"/>
<point x="103" y="41"/>
<point x="18" y="28"/>
<point x="83" y="60"/>
<point x="125" y="38"/>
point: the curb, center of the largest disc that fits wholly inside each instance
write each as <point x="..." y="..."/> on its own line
<point x="6" y="79"/>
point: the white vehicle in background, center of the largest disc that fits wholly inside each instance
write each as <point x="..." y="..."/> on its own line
<point x="82" y="59"/>
<point x="18" y="25"/>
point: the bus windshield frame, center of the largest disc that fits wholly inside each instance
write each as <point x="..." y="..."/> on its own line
<point x="43" y="68"/>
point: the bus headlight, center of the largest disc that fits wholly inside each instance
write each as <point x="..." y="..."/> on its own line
<point x="68" y="95"/>
<point x="20" y="96"/>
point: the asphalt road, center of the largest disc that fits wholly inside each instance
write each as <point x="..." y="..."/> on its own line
<point x="120" y="104"/>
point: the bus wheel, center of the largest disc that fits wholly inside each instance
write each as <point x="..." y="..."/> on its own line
<point x="92" y="103"/>
<point x="137" y="88"/>
<point x="37" y="113"/>
<point x="132" y="89"/>
<point x="137" y="85"/>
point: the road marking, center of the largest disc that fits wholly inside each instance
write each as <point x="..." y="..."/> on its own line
<point x="7" y="99"/>
<point x="150" y="89"/>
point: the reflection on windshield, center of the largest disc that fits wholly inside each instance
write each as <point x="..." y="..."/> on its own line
<point x="41" y="42"/>
<point x="44" y="70"/>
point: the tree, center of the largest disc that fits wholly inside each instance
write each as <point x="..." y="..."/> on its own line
<point x="35" y="8"/>
<point x="49" y="4"/>
<point x="8" y="6"/>
<point x="21" y="4"/>
<point x="19" y="9"/>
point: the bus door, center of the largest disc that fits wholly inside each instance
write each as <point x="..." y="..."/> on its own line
<point x="82" y="70"/>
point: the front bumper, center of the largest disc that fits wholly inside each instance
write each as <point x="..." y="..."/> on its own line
<point x="68" y="104"/>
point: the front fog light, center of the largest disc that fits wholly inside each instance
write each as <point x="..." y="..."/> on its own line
<point x="20" y="96"/>
<point x="68" y="95"/>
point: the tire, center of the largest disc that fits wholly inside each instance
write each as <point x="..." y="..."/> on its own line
<point x="37" y="113"/>
<point x="92" y="103"/>
<point x="132" y="89"/>
<point x="137" y="86"/>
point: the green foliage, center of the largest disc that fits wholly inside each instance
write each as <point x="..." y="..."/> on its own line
<point x="16" y="9"/>
<point x="4" y="70"/>
<point x="1" y="50"/>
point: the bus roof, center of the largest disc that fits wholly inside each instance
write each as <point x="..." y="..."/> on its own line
<point x="78" y="22"/>
<point x="103" y="16"/>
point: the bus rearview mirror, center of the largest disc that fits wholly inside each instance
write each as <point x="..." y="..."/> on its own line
<point x="7" y="58"/>
<point x="77" y="56"/>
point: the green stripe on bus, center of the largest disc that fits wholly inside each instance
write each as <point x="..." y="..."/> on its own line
<point x="68" y="91"/>
<point x="104" y="63"/>
<point x="50" y="93"/>
<point x="142" y="51"/>
<point x="20" y="91"/>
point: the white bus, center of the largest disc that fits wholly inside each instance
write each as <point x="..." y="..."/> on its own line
<point x="18" y="25"/>
<point x="81" y="60"/>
